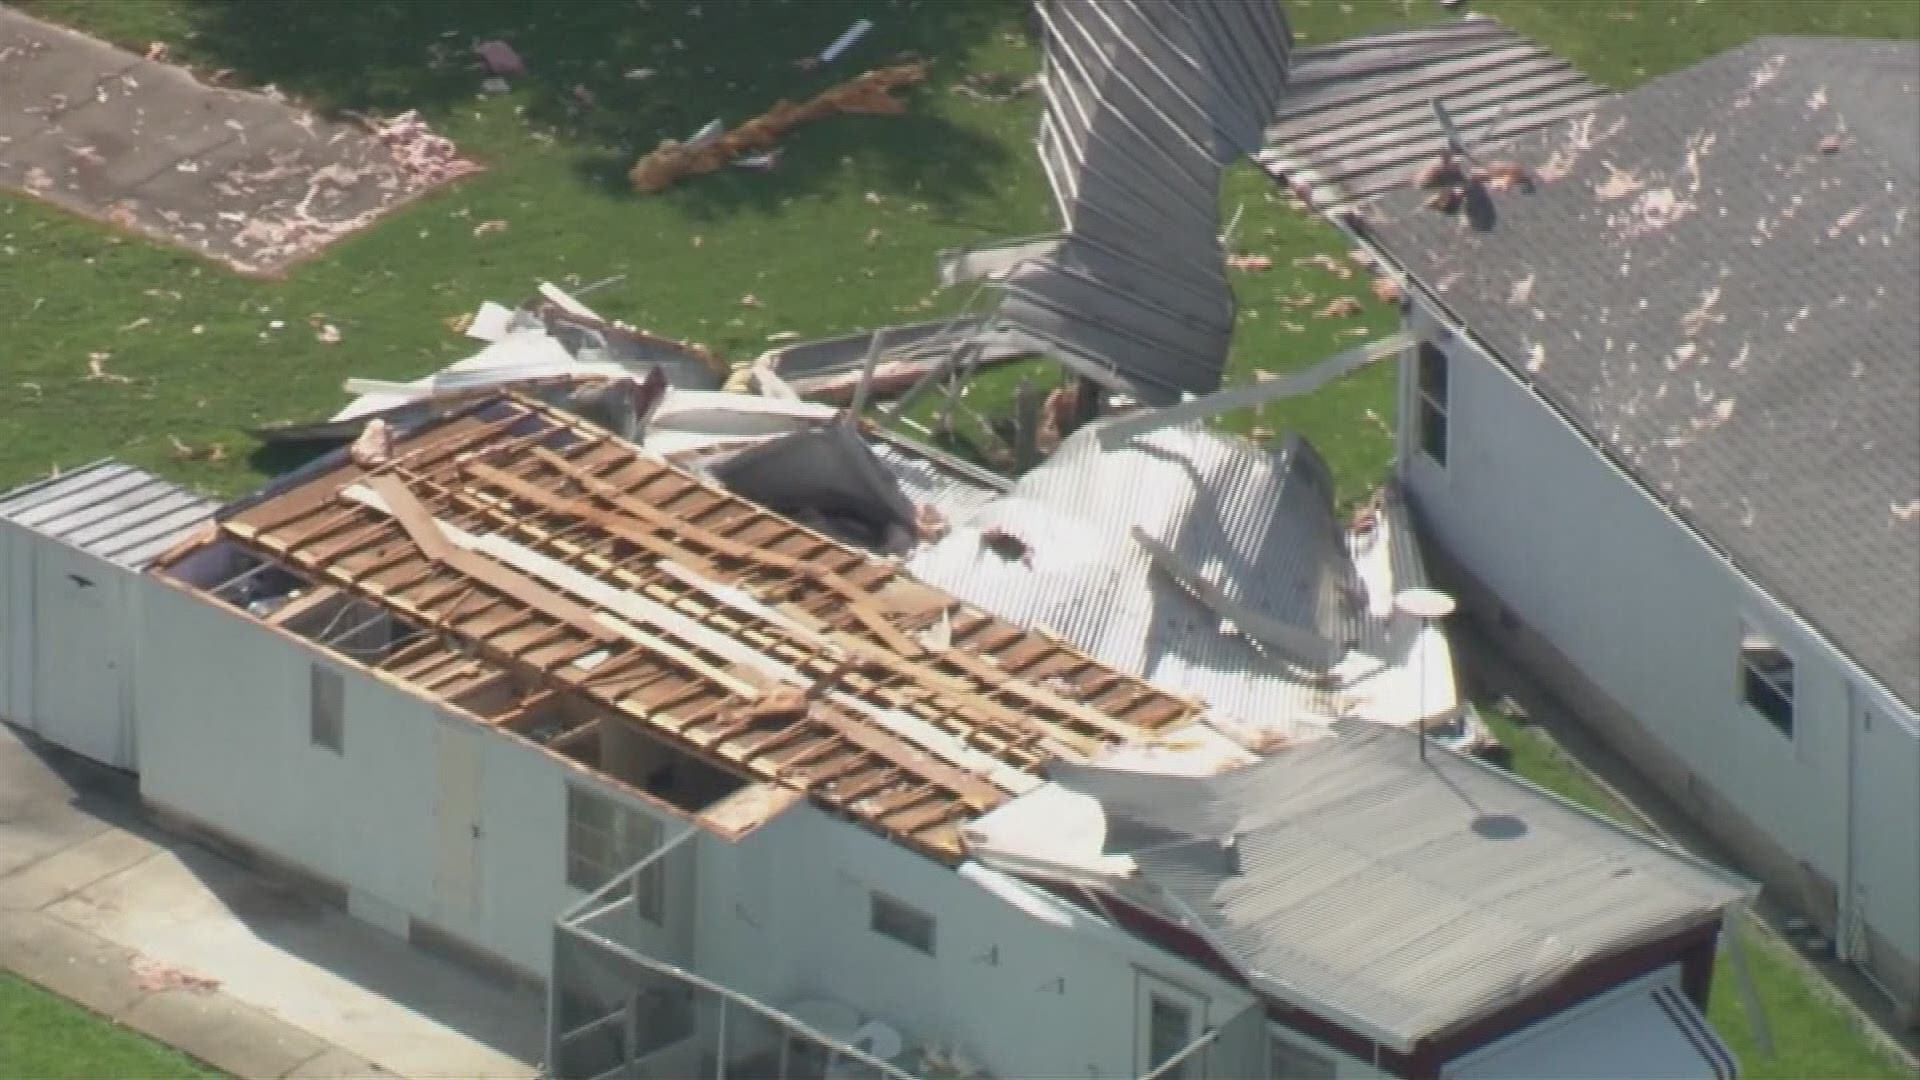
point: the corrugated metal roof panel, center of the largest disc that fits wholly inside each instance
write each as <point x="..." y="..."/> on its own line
<point x="1256" y="523"/>
<point x="1401" y="895"/>
<point x="114" y="511"/>
<point x="1357" y="120"/>
<point x="1146" y="102"/>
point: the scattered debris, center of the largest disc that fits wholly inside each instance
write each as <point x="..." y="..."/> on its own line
<point x="641" y="74"/>
<point x="1340" y="307"/>
<point x="750" y="300"/>
<point x="869" y="93"/>
<point x="1440" y="172"/>
<point x="97" y="369"/>
<point x="493" y="225"/>
<point x="494" y="85"/>
<point x="1446" y="200"/>
<point x="1830" y="144"/>
<point x="157" y="51"/>
<point x="1387" y="289"/>
<point x="991" y="86"/>
<point x="136" y="324"/>
<point x="374" y="446"/>
<point x="1361" y="258"/>
<point x="929" y="524"/>
<point x="1006" y="545"/>
<point x="186" y="452"/>
<point x="585" y="96"/>
<point x="499" y="58"/>
<point x="761" y="162"/>
<point x="328" y="334"/>
<point x="1908" y="512"/>
<point x="153" y="976"/>
<point x="1326" y="262"/>
<point x="1505" y="176"/>
<point x="425" y="158"/>
<point x="1250" y="262"/>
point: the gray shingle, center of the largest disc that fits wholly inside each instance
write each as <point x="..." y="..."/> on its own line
<point x="1732" y="313"/>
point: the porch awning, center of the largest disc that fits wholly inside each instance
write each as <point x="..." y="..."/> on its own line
<point x="1653" y="1033"/>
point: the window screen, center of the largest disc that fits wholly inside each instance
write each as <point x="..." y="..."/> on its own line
<point x="1288" y="1060"/>
<point x="905" y="924"/>
<point x="1432" y="406"/>
<point x="604" y="840"/>
<point x="1766" y="681"/>
<point x="326" y="709"/>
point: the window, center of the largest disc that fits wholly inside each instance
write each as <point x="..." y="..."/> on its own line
<point x="1431" y="408"/>
<point x="1288" y="1060"/>
<point x="1169" y="1030"/>
<point x="1766" y="680"/>
<point x="326" y="708"/>
<point x="605" y="840"/>
<point x="907" y="925"/>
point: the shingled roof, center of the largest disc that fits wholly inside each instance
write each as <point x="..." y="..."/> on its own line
<point x="1719" y="281"/>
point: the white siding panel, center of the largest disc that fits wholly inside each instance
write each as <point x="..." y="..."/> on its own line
<point x="1650" y="614"/>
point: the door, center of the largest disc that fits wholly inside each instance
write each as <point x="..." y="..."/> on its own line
<point x="79" y="655"/>
<point x="1882" y="886"/>
<point x="1167" y="1018"/>
<point x="456" y="879"/>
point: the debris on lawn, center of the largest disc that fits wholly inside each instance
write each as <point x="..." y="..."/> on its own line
<point x="868" y="93"/>
<point x="495" y="85"/>
<point x="492" y="225"/>
<point x="186" y="452"/>
<point x="1250" y="262"/>
<point x="499" y="58"/>
<point x="1340" y="307"/>
<point x="994" y="87"/>
<point x="136" y="324"/>
<point x="845" y="41"/>
<point x="97" y="369"/>
<point x="157" y="51"/>
<point x="328" y="334"/>
<point x="641" y="74"/>
<point x="1326" y="262"/>
<point x="153" y="976"/>
<point x="761" y="162"/>
<point x="1361" y="258"/>
<point x="1386" y="289"/>
<point x="426" y="159"/>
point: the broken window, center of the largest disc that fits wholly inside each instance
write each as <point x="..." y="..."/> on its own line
<point x="1766" y="678"/>
<point x="1431" y="411"/>
<point x="902" y="922"/>
<point x="326" y="709"/>
<point x="604" y="840"/>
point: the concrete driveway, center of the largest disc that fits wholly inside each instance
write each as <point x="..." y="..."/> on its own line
<point x="239" y="971"/>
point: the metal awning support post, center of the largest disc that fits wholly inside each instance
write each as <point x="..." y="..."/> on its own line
<point x="1115" y="432"/>
<point x="875" y="346"/>
<point x="1205" y="1040"/>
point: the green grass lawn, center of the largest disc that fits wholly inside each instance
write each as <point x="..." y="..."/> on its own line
<point x="1812" y="1036"/>
<point x="841" y="237"/>
<point x="43" y="1036"/>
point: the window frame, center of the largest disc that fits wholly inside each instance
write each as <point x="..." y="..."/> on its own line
<point x="880" y="903"/>
<point x="1435" y="397"/>
<point x="1283" y="1040"/>
<point x="1777" y="680"/>
<point x="598" y="851"/>
<point x="326" y="708"/>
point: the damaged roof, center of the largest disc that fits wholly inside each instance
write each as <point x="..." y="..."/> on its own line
<point x="515" y="546"/>
<point x="1403" y="895"/>
<point x="1258" y="525"/>
<point x="1145" y="104"/>
<point x="1718" y="281"/>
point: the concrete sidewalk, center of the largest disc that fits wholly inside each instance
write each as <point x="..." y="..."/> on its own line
<point x="242" y="177"/>
<point x="99" y="907"/>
